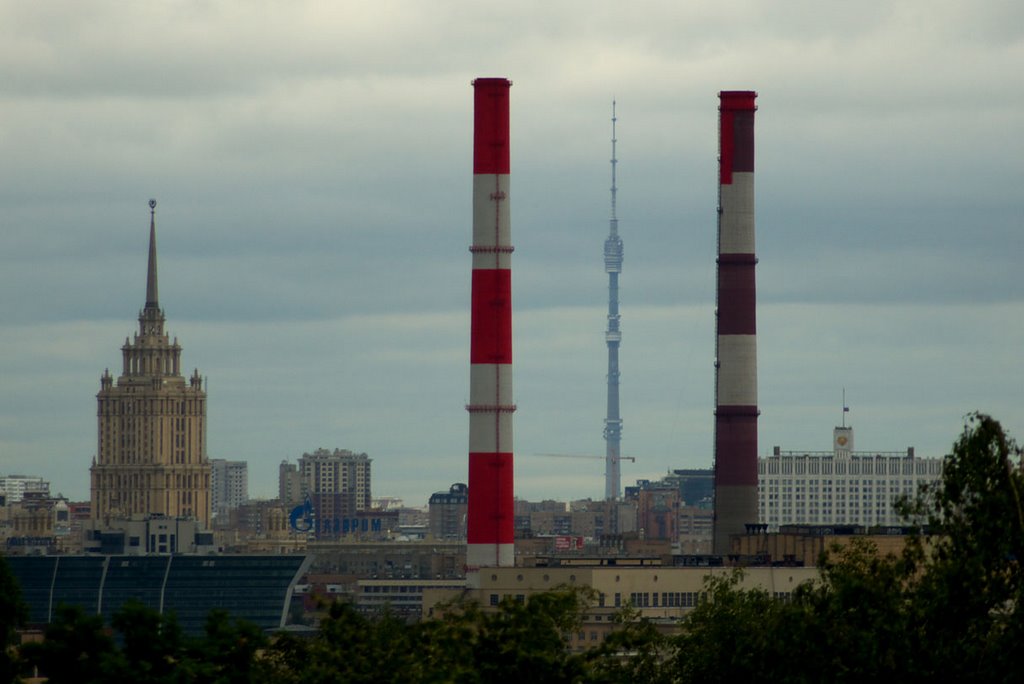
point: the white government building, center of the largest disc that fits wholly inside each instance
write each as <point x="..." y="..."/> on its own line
<point x="839" y="487"/>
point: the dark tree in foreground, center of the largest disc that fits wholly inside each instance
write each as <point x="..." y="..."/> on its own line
<point x="969" y="602"/>
<point x="636" y="651"/>
<point x="227" y="653"/>
<point x="148" y="648"/>
<point x="152" y="648"/>
<point x="948" y="608"/>
<point x="527" y="641"/>
<point x="521" y="642"/>
<point x="76" y="648"/>
<point x="13" y="614"/>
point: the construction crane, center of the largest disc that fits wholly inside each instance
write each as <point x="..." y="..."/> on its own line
<point x="590" y="456"/>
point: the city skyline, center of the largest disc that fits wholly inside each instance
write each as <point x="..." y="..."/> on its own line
<point x="311" y="164"/>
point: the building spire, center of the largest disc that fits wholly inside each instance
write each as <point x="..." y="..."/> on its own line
<point x="152" y="300"/>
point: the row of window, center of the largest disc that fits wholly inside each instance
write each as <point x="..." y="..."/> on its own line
<point x="826" y="466"/>
<point x="121" y="406"/>
<point x="812" y="485"/>
<point x="881" y="496"/>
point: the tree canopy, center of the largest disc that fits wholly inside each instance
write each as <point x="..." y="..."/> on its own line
<point x="13" y="614"/>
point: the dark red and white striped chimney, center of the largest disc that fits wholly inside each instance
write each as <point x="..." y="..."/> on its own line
<point x="491" y="514"/>
<point x="736" y="343"/>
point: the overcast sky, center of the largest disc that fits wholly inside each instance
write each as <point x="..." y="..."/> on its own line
<point x="312" y="164"/>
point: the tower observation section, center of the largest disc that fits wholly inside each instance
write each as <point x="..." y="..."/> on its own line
<point x="613" y="337"/>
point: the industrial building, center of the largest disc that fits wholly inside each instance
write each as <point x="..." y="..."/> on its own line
<point x="401" y="598"/>
<point x="664" y="594"/>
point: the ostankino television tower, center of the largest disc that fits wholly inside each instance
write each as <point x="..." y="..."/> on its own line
<point x="613" y="336"/>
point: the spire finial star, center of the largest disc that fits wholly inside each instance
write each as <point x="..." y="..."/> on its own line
<point x="152" y="300"/>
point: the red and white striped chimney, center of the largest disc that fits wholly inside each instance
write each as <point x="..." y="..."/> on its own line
<point x="736" y="344"/>
<point x="491" y="514"/>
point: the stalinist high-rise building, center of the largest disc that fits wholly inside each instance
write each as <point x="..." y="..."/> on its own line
<point x="151" y="450"/>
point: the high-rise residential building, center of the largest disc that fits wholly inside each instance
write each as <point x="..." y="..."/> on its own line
<point x="658" y="511"/>
<point x="13" y="488"/>
<point x="447" y="511"/>
<point x="151" y="442"/>
<point x="229" y="486"/>
<point x="289" y="483"/>
<point x="841" y="486"/>
<point x="338" y="485"/>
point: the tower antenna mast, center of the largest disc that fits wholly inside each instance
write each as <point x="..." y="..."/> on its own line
<point x="613" y="337"/>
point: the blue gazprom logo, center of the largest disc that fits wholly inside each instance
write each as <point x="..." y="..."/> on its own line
<point x="301" y="518"/>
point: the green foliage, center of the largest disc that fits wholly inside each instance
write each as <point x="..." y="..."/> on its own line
<point x="635" y="652"/>
<point x="76" y="648"/>
<point x="148" y="648"/>
<point x="527" y="641"/>
<point x="859" y="612"/>
<point x="13" y="615"/>
<point x="520" y="641"/>
<point x="227" y="653"/>
<point x="733" y="636"/>
<point x="350" y="647"/>
<point x="970" y="597"/>
<point x="152" y="648"/>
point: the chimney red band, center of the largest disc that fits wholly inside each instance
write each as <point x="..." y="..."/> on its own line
<point x="489" y="518"/>
<point x="490" y="125"/>
<point x="737" y="134"/>
<point x="737" y="298"/>
<point x="736" y="433"/>
<point x="491" y="317"/>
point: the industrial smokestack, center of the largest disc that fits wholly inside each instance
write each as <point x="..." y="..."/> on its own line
<point x="736" y="336"/>
<point x="490" y="518"/>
